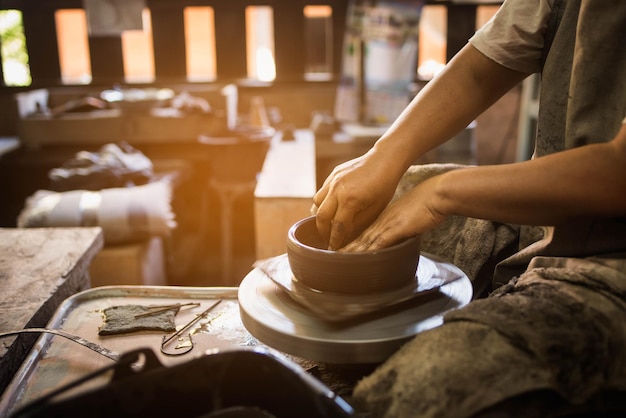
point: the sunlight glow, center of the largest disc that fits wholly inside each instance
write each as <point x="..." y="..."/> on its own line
<point x="260" y="43"/>
<point x="265" y="65"/>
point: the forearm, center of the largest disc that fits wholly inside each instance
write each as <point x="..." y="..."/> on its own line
<point x="468" y="85"/>
<point x="586" y="181"/>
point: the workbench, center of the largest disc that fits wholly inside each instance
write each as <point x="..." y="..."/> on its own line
<point x="39" y="269"/>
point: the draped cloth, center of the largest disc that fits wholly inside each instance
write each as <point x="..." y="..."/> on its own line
<point x="558" y="333"/>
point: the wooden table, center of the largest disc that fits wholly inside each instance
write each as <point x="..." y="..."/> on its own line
<point x="284" y="192"/>
<point x="39" y="268"/>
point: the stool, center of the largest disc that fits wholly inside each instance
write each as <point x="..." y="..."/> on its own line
<point x="236" y="157"/>
<point x="228" y="192"/>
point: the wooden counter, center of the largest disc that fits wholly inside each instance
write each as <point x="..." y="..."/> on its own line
<point x="39" y="268"/>
<point x="284" y="192"/>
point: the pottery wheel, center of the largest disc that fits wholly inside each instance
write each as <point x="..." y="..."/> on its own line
<point x="270" y="314"/>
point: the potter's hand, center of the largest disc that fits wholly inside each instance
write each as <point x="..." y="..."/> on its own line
<point x="412" y="214"/>
<point x="352" y="196"/>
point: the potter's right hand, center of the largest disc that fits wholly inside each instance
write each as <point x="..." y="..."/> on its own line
<point x="352" y="197"/>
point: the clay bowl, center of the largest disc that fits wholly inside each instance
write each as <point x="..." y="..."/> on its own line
<point x="351" y="273"/>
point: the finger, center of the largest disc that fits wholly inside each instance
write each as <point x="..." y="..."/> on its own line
<point x="323" y="220"/>
<point x="356" y="246"/>
<point x="321" y="194"/>
<point x="341" y="227"/>
<point x="367" y="241"/>
<point x="378" y="236"/>
<point x="337" y="235"/>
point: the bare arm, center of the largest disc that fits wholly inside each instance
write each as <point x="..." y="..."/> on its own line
<point x="585" y="181"/>
<point x="356" y="192"/>
<point x="588" y="181"/>
<point x="468" y="85"/>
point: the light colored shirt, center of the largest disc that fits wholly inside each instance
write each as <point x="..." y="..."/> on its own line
<point x="514" y="36"/>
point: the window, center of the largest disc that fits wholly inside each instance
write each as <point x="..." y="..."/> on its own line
<point x="319" y="42"/>
<point x="71" y="25"/>
<point x="200" y="43"/>
<point x="138" y="53"/>
<point x="432" y="41"/>
<point x="13" y="53"/>
<point x="260" y="43"/>
<point x="74" y="54"/>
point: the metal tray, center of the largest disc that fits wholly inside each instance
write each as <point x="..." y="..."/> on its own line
<point x="55" y="361"/>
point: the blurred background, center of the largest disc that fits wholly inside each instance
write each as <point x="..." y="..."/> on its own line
<point x="160" y="75"/>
